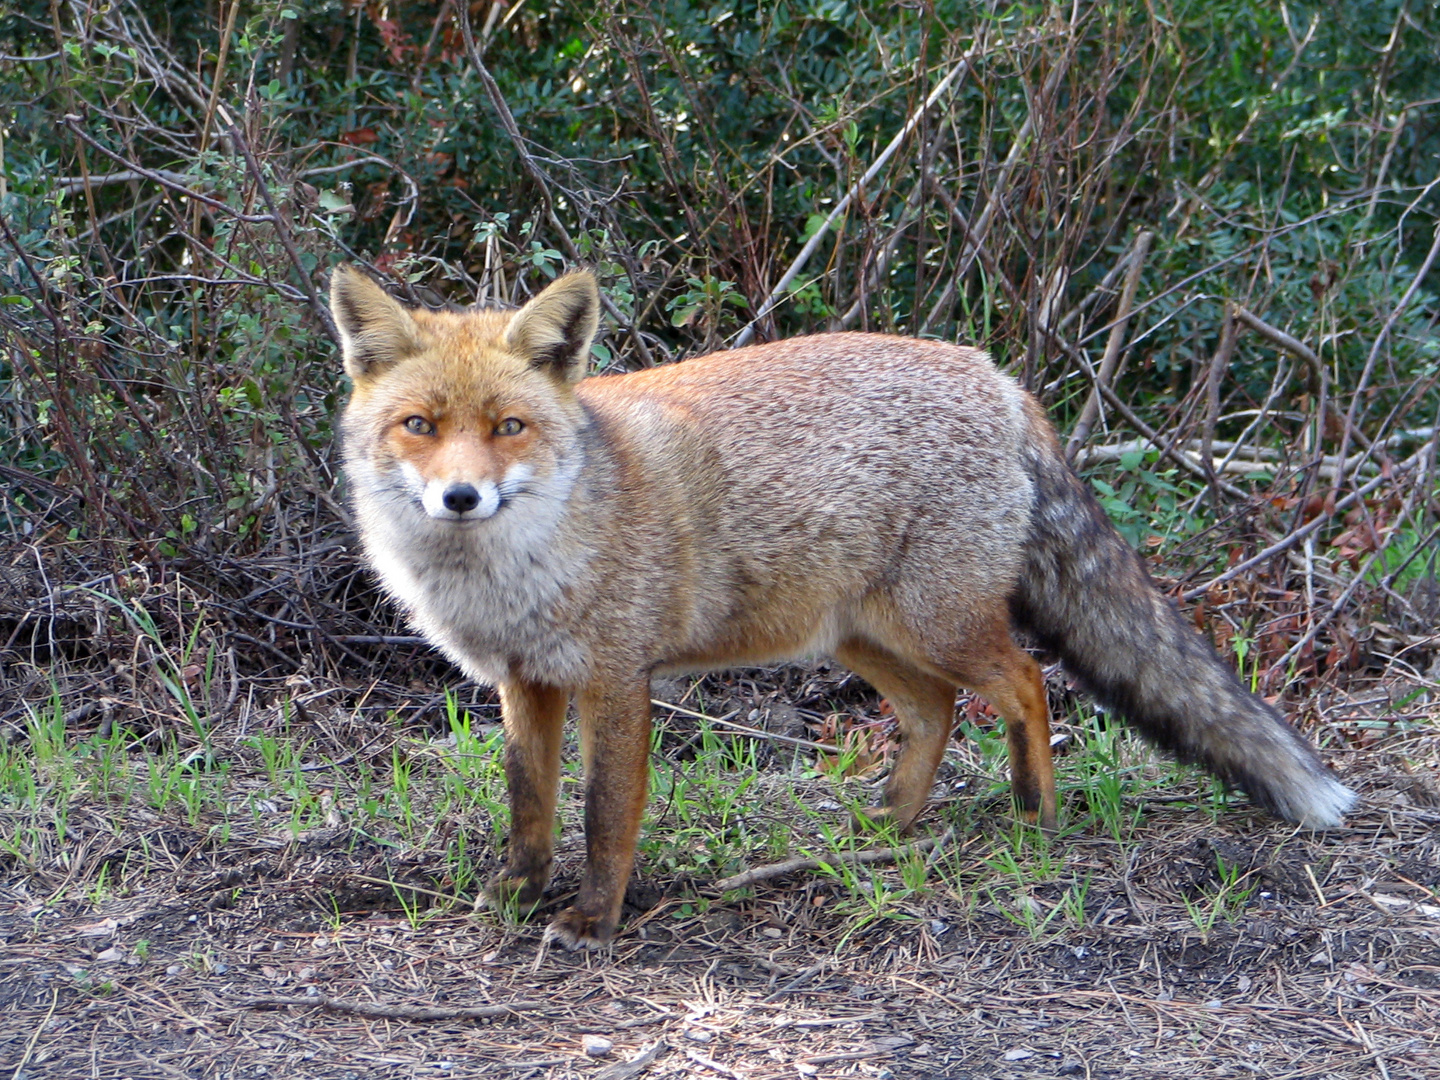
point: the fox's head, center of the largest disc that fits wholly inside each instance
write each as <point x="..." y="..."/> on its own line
<point x="461" y="412"/>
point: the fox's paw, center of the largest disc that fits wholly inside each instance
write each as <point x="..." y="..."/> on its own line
<point x="576" y="930"/>
<point x="1044" y="819"/>
<point x="871" y="818"/>
<point x="519" y="892"/>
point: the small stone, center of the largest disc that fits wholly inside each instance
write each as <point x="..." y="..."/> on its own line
<point x="597" y="1045"/>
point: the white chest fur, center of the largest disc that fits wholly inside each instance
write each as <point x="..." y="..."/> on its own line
<point x="486" y="593"/>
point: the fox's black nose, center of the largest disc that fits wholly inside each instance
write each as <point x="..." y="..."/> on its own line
<point x="461" y="498"/>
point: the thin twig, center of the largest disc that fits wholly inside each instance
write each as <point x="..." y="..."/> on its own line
<point x="1278" y="337"/>
<point x="163" y="177"/>
<point x="747" y="333"/>
<point x="1395" y="312"/>
<point x="801" y="864"/>
<point x="282" y="232"/>
<point x="35" y="1037"/>
<point x="1114" y="401"/>
<point x="1287" y="542"/>
<point x="225" y="34"/>
<point x="1105" y="375"/>
<point x="538" y="175"/>
<point x="741" y="729"/>
<point x="1219" y="364"/>
<point x="394" y="1012"/>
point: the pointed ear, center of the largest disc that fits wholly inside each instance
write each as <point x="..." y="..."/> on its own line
<point x="376" y="330"/>
<point x="553" y="331"/>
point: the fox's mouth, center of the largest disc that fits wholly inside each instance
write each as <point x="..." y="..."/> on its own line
<point x="464" y="518"/>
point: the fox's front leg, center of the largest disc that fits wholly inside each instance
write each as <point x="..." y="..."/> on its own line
<point x="615" y="743"/>
<point x="534" y="718"/>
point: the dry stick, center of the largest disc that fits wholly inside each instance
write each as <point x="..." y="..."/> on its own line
<point x="54" y="387"/>
<point x="1166" y="448"/>
<point x="755" y="733"/>
<point x="35" y="1037"/>
<point x="1298" y="348"/>
<point x="625" y="1070"/>
<point x="981" y="228"/>
<point x="1091" y="411"/>
<point x="977" y="233"/>
<point x="1287" y="542"/>
<point x="1278" y="337"/>
<point x="877" y="269"/>
<point x="1375" y="353"/>
<point x="741" y="729"/>
<point x="282" y="232"/>
<point x="71" y="184"/>
<point x="747" y="334"/>
<point x="1253" y="456"/>
<point x="1325" y="620"/>
<point x="1105" y="284"/>
<point x="163" y="177"/>
<point x="1360" y="575"/>
<point x="396" y="1012"/>
<point x="1219" y="364"/>
<point x="845" y="858"/>
<point x="976" y="249"/>
<point x="537" y="175"/>
<point x="215" y="97"/>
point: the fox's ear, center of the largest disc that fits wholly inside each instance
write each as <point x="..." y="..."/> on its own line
<point x="375" y="329"/>
<point x="553" y="331"/>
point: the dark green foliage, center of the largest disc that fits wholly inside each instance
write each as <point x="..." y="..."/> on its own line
<point x="167" y="369"/>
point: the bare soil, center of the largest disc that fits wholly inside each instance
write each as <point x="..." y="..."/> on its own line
<point x="240" y="953"/>
<point x="211" y="941"/>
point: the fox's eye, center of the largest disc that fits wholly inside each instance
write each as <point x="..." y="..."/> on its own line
<point x="509" y="426"/>
<point x="418" y="425"/>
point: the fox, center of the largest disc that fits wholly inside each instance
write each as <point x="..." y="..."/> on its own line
<point x="899" y="505"/>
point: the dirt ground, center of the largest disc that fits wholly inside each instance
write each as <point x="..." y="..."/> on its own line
<point x="266" y="954"/>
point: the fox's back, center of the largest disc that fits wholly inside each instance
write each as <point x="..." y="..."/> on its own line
<point x="831" y="419"/>
<point x="835" y="464"/>
<point x="857" y="409"/>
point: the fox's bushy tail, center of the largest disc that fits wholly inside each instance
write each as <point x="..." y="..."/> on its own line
<point x="1085" y="595"/>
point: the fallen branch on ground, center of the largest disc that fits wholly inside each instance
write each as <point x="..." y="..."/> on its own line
<point x="395" y="1012"/>
<point x="845" y="858"/>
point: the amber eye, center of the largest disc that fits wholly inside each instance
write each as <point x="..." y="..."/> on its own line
<point x="418" y="425"/>
<point x="509" y="426"/>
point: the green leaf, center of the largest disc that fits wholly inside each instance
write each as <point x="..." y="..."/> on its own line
<point x="334" y="202"/>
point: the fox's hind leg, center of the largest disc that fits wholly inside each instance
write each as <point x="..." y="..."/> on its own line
<point x="534" y="718"/>
<point x="993" y="666"/>
<point x="925" y="708"/>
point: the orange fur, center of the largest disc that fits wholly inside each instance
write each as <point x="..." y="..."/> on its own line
<point x="873" y="498"/>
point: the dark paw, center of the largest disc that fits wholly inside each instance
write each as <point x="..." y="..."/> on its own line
<point x="880" y="819"/>
<point x="576" y="930"/>
<point x="871" y="819"/>
<point x="1045" y="820"/>
<point x="520" y="893"/>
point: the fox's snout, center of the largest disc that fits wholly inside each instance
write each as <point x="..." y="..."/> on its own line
<point x="450" y="499"/>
